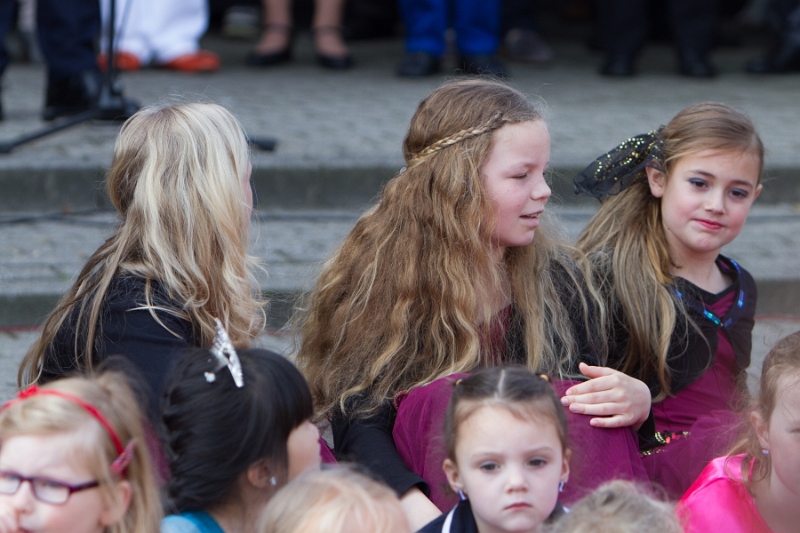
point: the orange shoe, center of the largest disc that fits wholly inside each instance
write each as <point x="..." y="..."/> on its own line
<point x="123" y="61"/>
<point x="200" y="61"/>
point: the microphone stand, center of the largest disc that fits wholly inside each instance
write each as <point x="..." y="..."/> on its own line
<point x="111" y="104"/>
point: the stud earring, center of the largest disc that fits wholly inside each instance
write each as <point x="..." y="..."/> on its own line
<point x="561" y="486"/>
<point x="461" y="495"/>
<point x="765" y="452"/>
<point x="273" y="481"/>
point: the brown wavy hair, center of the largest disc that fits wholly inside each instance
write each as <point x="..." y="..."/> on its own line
<point x="626" y="244"/>
<point x="176" y="181"/>
<point x="781" y="365"/>
<point x="407" y="297"/>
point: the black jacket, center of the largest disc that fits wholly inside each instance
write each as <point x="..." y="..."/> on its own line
<point x="127" y="330"/>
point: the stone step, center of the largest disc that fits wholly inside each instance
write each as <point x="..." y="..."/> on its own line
<point x="42" y="254"/>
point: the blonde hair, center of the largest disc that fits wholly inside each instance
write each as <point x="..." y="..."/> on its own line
<point x="110" y="394"/>
<point x="626" y="243"/>
<point x="339" y="500"/>
<point x="400" y="303"/>
<point x="781" y="365"/>
<point x="618" y="507"/>
<point x="176" y="181"/>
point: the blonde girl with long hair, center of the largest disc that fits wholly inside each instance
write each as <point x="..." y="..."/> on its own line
<point x="680" y="314"/>
<point x="176" y="260"/>
<point x="73" y="459"/>
<point x="442" y="276"/>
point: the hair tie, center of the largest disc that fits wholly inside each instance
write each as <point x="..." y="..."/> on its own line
<point x="124" y="454"/>
<point x="545" y="377"/>
<point x="615" y="171"/>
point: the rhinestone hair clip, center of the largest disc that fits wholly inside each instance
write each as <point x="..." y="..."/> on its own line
<point x="225" y="355"/>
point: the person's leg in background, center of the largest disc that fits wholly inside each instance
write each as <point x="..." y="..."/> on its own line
<point x="6" y="17"/>
<point x="425" y="23"/>
<point x="520" y="32"/>
<point x="783" y="56"/>
<point x="477" y="26"/>
<point x="623" y="28"/>
<point x="693" y="24"/>
<point x="67" y="30"/>
<point x="174" y="28"/>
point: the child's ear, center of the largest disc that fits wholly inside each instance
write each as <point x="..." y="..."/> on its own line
<point x="762" y="429"/>
<point x="565" y="465"/>
<point x="657" y="180"/>
<point x="451" y="471"/>
<point x="259" y="474"/>
<point x="116" y="509"/>
<point x="758" y="191"/>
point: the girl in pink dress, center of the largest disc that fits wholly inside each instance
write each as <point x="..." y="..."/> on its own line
<point x="756" y="489"/>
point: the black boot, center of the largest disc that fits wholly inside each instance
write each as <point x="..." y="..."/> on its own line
<point x="483" y="65"/>
<point x="695" y="65"/>
<point x="783" y="60"/>
<point x="71" y="95"/>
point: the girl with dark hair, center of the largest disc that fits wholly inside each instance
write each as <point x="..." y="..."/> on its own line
<point x="680" y="315"/>
<point x="237" y="428"/>
<point x="511" y="483"/>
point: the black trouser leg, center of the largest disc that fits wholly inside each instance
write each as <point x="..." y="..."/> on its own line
<point x="693" y="24"/>
<point x="623" y="25"/>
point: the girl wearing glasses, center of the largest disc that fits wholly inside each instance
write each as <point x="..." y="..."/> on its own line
<point x="73" y="459"/>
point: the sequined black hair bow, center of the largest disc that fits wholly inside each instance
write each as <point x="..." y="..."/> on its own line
<point x="623" y="166"/>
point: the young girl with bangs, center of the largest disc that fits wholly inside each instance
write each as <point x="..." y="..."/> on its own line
<point x="680" y="314"/>
<point x="756" y="488"/>
<point x="73" y="459"/>
<point x="507" y="453"/>
<point x="456" y="268"/>
<point x="237" y="428"/>
<point x="176" y="260"/>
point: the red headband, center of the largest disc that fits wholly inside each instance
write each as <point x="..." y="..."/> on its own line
<point x="124" y="454"/>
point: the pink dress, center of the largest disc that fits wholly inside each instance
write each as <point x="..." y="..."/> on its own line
<point x="719" y="501"/>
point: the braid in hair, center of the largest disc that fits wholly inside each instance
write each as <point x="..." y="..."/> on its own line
<point x="492" y="124"/>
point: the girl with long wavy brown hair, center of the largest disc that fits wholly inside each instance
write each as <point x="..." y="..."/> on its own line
<point x="680" y="314"/>
<point x="176" y="260"/>
<point x="443" y="276"/>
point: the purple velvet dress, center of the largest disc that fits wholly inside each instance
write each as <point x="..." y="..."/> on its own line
<point x="697" y="424"/>
<point x="598" y="455"/>
<point x="700" y="419"/>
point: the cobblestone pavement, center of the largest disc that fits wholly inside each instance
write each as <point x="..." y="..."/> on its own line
<point x="43" y="256"/>
<point x="359" y="117"/>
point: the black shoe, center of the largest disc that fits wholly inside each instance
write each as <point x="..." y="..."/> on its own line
<point x="417" y="65"/>
<point x="785" y="60"/>
<point x="255" y="59"/>
<point x="71" y="95"/>
<point x="333" y="62"/>
<point x="618" y="66"/>
<point x="483" y="65"/>
<point x="695" y="65"/>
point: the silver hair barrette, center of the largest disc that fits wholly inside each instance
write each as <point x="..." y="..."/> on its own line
<point x="225" y="355"/>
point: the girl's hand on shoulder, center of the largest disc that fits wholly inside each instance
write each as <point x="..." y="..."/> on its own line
<point x="617" y="399"/>
<point x="9" y="521"/>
